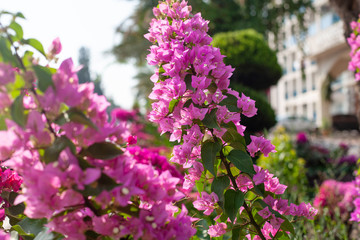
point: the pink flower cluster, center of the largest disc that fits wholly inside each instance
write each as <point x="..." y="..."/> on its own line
<point x="333" y="194"/>
<point x="190" y="83"/>
<point x="354" y="42"/>
<point x="355" y="215"/>
<point x="206" y="202"/>
<point x="193" y="101"/>
<point x="133" y="193"/>
<point x="273" y="223"/>
<point x="10" y="181"/>
<point x="260" y="144"/>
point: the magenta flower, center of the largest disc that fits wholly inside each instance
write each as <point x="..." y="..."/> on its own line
<point x="301" y="138"/>
<point x="55" y="47"/>
<point x="260" y="144"/>
<point x="7" y="74"/>
<point x="217" y="230"/>
<point x="247" y="106"/>
<point x="265" y="213"/>
<point x="206" y="202"/>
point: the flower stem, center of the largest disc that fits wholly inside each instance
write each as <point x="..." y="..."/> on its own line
<point x="247" y="208"/>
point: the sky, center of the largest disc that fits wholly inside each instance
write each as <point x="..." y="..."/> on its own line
<point x="88" y="23"/>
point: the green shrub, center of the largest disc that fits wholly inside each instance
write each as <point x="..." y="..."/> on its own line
<point x="265" y="117"/>
<point x="247" y="51"/>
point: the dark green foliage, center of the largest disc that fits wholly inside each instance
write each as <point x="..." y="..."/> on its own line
<point x="224" y="15"/>
<point x="265" y="117"/>
<point x="247" y="51"/>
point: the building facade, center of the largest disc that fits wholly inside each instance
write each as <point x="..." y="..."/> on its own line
<point x="315" y="83"/>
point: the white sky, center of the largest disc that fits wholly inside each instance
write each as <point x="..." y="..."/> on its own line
<point x="89" y="23"/>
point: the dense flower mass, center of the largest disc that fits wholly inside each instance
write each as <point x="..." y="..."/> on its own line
<point x="10" y="181"/>
<point x="193" y="102"/>
<point x="354" y="42"/>
<point x="83" y="177"/>
<point x="334" y="194"/>
<point x="191" y="81"/>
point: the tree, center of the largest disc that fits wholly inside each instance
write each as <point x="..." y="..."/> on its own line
<point x="254" y="61"/>
<point x="84" y="60"/>
<point x="348" y="10"/>
<point x="84" y="73"/>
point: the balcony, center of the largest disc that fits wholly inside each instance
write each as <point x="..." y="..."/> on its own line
<point x="326" y="39"/>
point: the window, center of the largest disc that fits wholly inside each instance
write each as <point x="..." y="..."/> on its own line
<point x="284" y="65"/>
<point x="303" y="83"/>
<point x="314" y="111"/>
<point x="313" y="81"/>
<point x="328" y="17"/>
<point x="284" y="40"/>
<point x="304" y="110"/>
<point x="293" y="62"/>
<point x="294" y="88"/>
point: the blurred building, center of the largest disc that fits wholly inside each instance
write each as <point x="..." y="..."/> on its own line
<point x="315" y="83"/>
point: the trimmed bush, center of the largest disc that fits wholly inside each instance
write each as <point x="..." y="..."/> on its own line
<point x="247" y="51"/>
<point x="265" y="117"/>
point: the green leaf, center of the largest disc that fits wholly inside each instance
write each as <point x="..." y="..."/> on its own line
<point x="5" y="51"/>
<point x="75" y="115"/>
<point x="238" y="233"/>
<point x="173" y="103"/>
<point x="33" y="226"/>
<point x="52" y="153"/>
<point x="2" y="122"/>
<point x="103" y="150"/>
<point x="199" y="186"/>
<point x="210" y="120"/>
<point x="35" y="44"/>
<point x="47" y="235"/>
<point x="17" y="209"/>
<point x="27" y="58"/>
<point x="234" y="139"/>
<point x="187" y="103"/>
<point x="18" y="111"/>
<point x="92" y="235"/>
<point x="219" y="185"/>
<point x="286" y="226"/>
<point x="242" y="161"/>
<point x="259" y="189"/>
<point x="230" y="102"/>
<point x="235" y="233"/>
<point x="103" y="183"/>
<point x="21" y="231"/>
<point x="17" y="28"/>
<point x="20" y="15"/>
<point x="200" y="183"/>
<point x="208" y="155"/>
<point x="13" y="220"/>
<point x="283" y="236"/>
<point x="233" y="201"/>
<point x="44" y="77"/>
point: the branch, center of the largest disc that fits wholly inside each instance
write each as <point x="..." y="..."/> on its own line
<point x="247" y="208"/>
